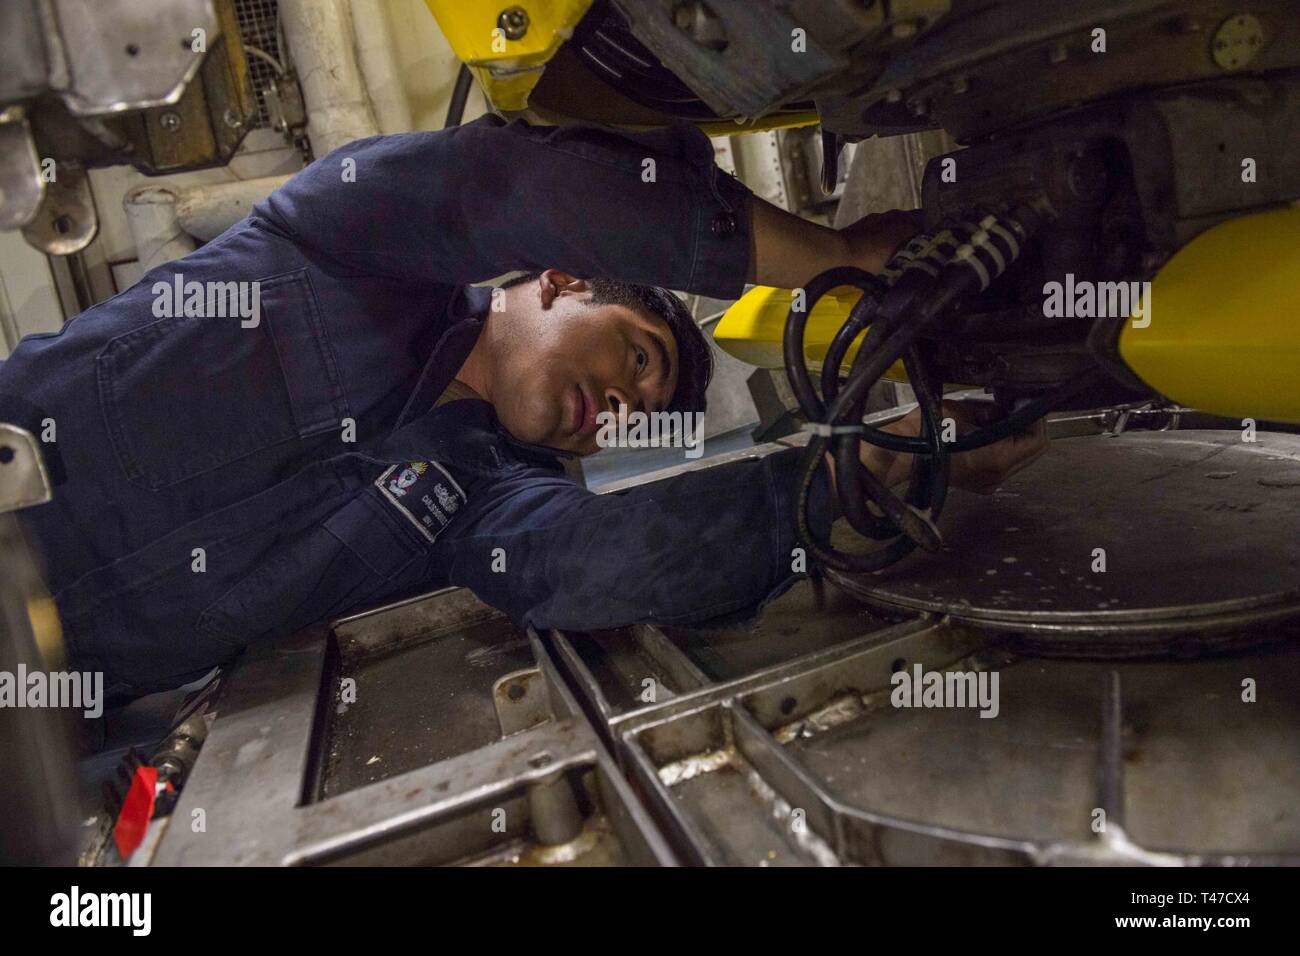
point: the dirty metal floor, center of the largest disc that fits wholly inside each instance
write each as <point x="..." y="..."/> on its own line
<point x="423" y="704"/>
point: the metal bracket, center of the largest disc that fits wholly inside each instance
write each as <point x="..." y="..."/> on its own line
<point x="126" y="55"/>
<point x="21" y="186"/>
<point x="66" y="221"/>
<point x="23" y="479"/>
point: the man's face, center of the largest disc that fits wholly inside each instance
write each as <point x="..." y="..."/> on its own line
<point x="566" y="360"/>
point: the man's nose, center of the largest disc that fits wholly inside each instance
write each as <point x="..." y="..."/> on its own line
<point x="616" y="399"/>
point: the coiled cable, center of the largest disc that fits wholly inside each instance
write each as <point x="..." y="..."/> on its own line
<point x="917" y="287"/>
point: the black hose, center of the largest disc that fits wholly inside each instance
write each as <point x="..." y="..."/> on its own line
<point x="860" y="316"/>
<point x="459" y="97"/>
<point x="928" y="279"/>
<point x="792" y="346"/>
<point x="1026" y="414"/>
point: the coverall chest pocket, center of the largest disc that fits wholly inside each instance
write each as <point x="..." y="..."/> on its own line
<point x="236" y="369"/>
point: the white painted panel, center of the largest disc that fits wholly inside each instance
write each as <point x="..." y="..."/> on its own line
<point x="28" y="301"/>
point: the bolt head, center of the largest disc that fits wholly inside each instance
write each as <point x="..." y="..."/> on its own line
<point x="513" y="22"/>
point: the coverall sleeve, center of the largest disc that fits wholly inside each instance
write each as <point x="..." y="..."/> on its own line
<point x="704" y="545"/>
<point x="473" y="202"/>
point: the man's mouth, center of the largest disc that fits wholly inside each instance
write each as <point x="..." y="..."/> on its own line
<point x="583" y="414"/>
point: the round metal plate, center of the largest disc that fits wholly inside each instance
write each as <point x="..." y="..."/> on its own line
<point x="1196" y="532"/>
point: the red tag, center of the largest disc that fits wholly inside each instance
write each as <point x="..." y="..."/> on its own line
<point x="137" y="811"/>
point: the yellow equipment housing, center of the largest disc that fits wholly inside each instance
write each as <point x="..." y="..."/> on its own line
<point x="753" y="329"/>
<point x="506" y="69"/>
<point x="1224" y="332"/>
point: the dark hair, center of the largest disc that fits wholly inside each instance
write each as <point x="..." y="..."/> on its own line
<point x="694" y="355"/>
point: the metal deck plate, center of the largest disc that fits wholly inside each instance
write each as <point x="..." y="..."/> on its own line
<point x="1198" y="530"/>
<point x="808" y="760"/>
<point x="1202" y="772"/>
<point x="422" y="704"/>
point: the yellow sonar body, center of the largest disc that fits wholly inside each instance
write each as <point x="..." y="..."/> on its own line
<point x="1224" y="330"/>
<point x="753" y="328"/>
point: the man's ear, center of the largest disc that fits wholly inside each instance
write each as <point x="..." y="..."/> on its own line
<point x="553" y="282"/>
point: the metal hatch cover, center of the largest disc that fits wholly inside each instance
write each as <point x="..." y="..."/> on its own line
<point x="1196" y="532"/>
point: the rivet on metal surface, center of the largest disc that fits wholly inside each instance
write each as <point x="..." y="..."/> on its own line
<point x="521" y="701"/>
<point x="170" y="121"/>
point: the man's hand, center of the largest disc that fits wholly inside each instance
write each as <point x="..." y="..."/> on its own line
<point x="984" y="469"/>
<point x="980" y="471"/>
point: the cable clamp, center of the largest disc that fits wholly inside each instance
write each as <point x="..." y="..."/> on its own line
<point x="823" y="430"/>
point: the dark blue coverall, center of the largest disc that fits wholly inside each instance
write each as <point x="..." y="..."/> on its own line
<point x="174" y="434"/>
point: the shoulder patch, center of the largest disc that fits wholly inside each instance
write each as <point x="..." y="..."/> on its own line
<point x="425" y="494"/>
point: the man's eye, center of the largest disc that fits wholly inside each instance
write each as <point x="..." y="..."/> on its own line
<point x="641" y="360"/>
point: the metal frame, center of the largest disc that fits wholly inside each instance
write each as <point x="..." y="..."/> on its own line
<point x="252" y="784"/>
<point x="742" y="724"/>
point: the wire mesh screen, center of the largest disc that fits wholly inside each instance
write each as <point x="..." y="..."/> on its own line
<point x="259" y="31"/>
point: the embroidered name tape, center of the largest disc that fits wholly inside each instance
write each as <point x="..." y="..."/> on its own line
<point x="424" y="493"/>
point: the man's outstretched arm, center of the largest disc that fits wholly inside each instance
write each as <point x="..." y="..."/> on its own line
<point x="470" y="203"/>
<point x="714" y="543"/>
